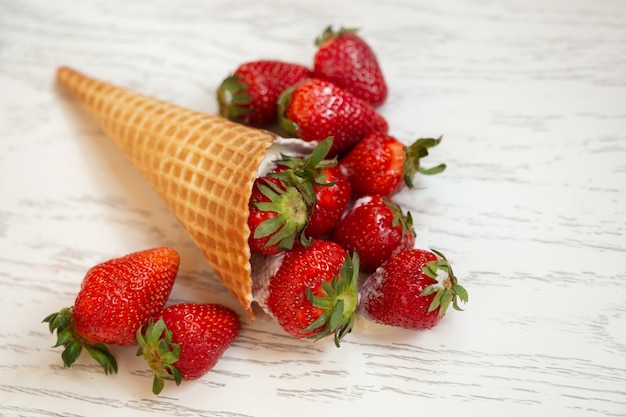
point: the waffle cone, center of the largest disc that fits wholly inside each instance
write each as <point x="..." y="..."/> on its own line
<point x="202" y="167"/>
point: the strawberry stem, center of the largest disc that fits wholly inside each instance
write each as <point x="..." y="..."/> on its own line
<point x="156" y="346"/>
<point x="329" y="33"/>
<point x="414" y="153"/>
<point x="405" y="220"/>
<point x="288" y="126"/>
<point x="233" y="99"/>
<point x="68" y="337"/>
<point x="339" y="303"/>
<point x="305" y="172"/>
<point x="291" y="219"/>
<point x="446" y="289"/>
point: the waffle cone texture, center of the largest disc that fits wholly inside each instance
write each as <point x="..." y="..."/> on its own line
<point x="202" y="167"/>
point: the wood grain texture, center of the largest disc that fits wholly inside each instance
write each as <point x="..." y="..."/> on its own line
<point x="531" y="100"/>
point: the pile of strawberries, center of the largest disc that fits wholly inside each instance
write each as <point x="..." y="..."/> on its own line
<point x="328" y="219"/>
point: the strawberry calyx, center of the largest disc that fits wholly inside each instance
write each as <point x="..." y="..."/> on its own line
<point x="156" y="346"/>
<point x="67" y="336"/>
<point x="290" y="128"/>
<point x="405" y="220"/>
<point x="291" y="219"/>
<point x="414" y="153"/>
<point x="339" y="302"/>
<point x="329" y="33"/>
<point x="446" y="289"/>
<point x="304" y="173"/>
<point x="233" y="99"/>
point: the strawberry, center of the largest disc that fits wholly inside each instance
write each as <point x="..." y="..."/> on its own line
<point x="278" y="216"/>
<point x="312" y="293"/>
<point x="332" y="199"/>
<point x="413" y="290"/>
<point x="322" y="184"/>
<point x="345" y="59"/>
<point x="116" y="298"/>
<point x="376" y="228"/>
<point x="250" y="95"/>
<point x="381" y="164"/>
<point x="185" y="341"/>
<point x="316" y="109"/>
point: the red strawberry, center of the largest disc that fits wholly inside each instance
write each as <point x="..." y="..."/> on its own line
<point x="381" y="164"/>
<point x="312" y="293"/>
<point x="185" y="341"/>
<point x="376" y="228"/>
<point x="413" y="290"/>
<point x="250" y="94"/>
<point x="345" y="59"/>
<point x="277" y="218"/>
<point x="332" y="198"/>
<point x="322" y="184"/>
<point x="316" y="109"/>
<point x="116" y="298"/>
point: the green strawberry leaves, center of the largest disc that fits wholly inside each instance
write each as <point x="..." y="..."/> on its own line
<point x="156" y="346"/>
<point x="339" y="302"/>
<point x="293" y="196"/>
<point x="287" y="125"/>
<point x="447" y="291"/>
<point x="414" y="153"/>
<point x="405" y="220"/>
<point x="329" y="33"/>
<point x="290" y="221"/>
<point x="304" y="173"/>
<point x="233" y="99"/>
<point x="63" y="323"/>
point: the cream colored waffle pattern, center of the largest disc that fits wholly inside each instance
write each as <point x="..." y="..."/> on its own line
<point x="202" y="166"/>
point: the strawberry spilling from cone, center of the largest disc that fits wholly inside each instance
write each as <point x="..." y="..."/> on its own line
<point x="289" y="196"/>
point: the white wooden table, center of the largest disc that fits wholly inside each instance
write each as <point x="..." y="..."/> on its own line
<point x="531" y="99"/>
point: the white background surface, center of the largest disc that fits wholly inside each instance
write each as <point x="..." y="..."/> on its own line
<point x="531" y="99"/>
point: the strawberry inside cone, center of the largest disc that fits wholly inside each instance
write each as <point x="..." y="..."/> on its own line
<point x="300" y="199"/>
<point x="278" y="217"/>
<point x="325" y="188"/>
<point x="311" y="292"/>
